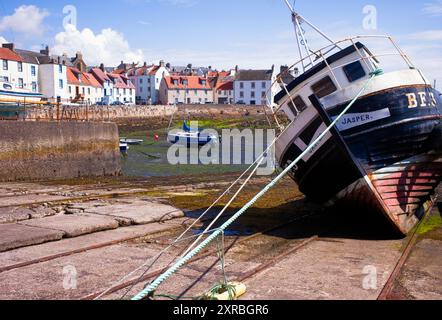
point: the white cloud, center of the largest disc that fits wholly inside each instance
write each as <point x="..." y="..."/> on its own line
<point x="108" y="47"/>
<point x="3" y="40"/>
<point x="430" y="35"/>
<point x="26" y="19"/>
<point x="182" y="3"/>
<point x="433" y="9"/>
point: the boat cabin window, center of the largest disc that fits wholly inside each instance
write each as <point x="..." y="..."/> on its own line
<point x="324" y="87"/>
<point x="298" y="105"/>
<point x="354" y="71"/>
<point x="7" y="86"/>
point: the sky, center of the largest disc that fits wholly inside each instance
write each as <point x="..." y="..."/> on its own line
<point x="221" y="34"/>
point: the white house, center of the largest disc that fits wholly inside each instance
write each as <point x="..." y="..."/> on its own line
<point x="147" y="80"/>
<point x="100" y="75"/>
<point x="83" y="87"/>
<point x="254" y="87"/>
<point x="52" y="72"/>
<point x="19" y="71"/>
<point x="124" y="90"/>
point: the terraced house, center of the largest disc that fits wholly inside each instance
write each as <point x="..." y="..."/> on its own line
<point x="18" y="72"/>
<point x="147" y="80"/>
<point x="186" y="90"/>
<point x="83" y="87"/>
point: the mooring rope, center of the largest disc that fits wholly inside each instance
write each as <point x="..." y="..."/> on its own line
<point x="154" y="285"/>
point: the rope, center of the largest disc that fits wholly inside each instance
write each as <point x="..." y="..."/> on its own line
<point x="154" y="285"/>
<point x="154" y="259"/>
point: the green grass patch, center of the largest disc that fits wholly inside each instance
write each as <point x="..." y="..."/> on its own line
<point x="433" y="222"/>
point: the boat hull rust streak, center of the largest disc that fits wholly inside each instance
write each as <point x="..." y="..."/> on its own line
<point x="394" y="163"/>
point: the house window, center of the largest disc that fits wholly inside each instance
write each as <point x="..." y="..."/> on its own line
<point x="20" y="66"/>
<point x="89" y="91"/>
<point x="252" y="94"/>
<point x="141" y="89"/>
<point x="20" y="83"/>
<point x="263" y="85"/>
<point x="253" y="85"/>
<point x="141" y="80"/>
<point x="70" y="89"/>
<point x="34" y="86"/>
<point x="354" y="71"/>
<point x="324" y="87"/>
<point x="60" y="68"/>
<point x="5" y="64"/>
<point x="241" y="94"/>
<point x="6" y="79"/>
<point x="263" y="95"/>
<point x="33" y="71"/>
<point x="83" y="90"/>
<point x="196" y="92"/>
<point x="241" y="85"/>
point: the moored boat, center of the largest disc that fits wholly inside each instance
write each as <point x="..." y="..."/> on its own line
<point x="9" y="93"/>
<point x="386" y="152"/>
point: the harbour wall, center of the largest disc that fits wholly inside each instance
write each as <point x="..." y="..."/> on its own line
<point x="58" y="150"/>
<point x="122" y="113"/>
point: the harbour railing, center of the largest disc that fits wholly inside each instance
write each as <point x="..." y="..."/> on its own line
<point x="367" y="57"/>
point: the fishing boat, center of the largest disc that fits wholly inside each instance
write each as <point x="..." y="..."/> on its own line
<point x="124" y="147"/>
<point x="11" y="94"/>
<point x="131" y="142"/>
<point x="189" y="137"/>
<point x="385" y="154"/>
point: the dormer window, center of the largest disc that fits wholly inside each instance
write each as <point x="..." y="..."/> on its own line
<point x="185" y="82"/>
<point x="203" y="82"/>
<point x="175" y="82"/>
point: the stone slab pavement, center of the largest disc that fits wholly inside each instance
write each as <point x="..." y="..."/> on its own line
<point x="137" y="211"/>
<point x="85" y="242"/>
<point x="16" y="235"/>
<point x="74" y="225"/>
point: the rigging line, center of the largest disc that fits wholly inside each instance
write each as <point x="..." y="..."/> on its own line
<point x="159" y="255"/>
<point x="225" y="208"/>
<point x="208" y="228"/>
<point x="154" y="285"/>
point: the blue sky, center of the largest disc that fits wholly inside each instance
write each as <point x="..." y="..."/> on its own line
<point x="250" y="33"/>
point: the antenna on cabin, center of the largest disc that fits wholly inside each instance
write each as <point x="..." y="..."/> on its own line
<point x="300" y="36"/>
<point x="434" y="85"/>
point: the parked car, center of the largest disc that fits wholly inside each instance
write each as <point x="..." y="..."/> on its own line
<point x="101" y="103"/>
<point x="117" y="103"/>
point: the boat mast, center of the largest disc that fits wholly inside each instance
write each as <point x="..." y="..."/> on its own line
<point x="299" y="32"/>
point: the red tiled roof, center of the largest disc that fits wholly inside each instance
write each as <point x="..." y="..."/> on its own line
<point x="82" y="78"/>
<point x="7" y="54"/>
<point x="100" y="75"/>
<point x="193" y="82"/>
<point x="119" y="71"/>
<point x="93" y="82"/>
<point x="225" y="86"/>
<point x="154" y="70"/>
<point x="72" y="76"/>
<point x="119" y="81"/>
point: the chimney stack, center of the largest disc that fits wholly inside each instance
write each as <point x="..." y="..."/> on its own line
<point x="45" y="51"/>
<point x="9" y="46"/>
<point x="102" y="67"/>
<point x="162" y="63"/>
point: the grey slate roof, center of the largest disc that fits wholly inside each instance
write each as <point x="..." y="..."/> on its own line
<point x="39" y="58"/>
<point x="254" y="75"/>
